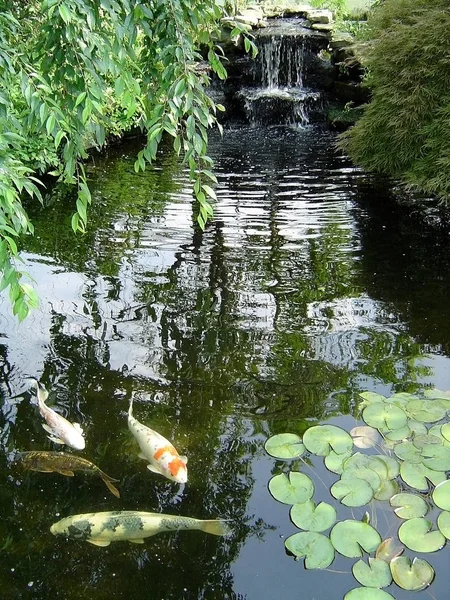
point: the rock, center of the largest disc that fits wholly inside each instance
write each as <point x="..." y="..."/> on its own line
<point x="320" y="16"/>
<point x="230" y="23"/>
<point x="247" y="20"/>
<point x="341" y="40"/>
<point x="298" y="9"/>
<point x="325" y="27"/>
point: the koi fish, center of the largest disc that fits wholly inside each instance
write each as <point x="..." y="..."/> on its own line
<point x="65" y="464"/>
<point x="59" y="428"/>
<point x="159" y="452"/>
<point x="102" y="528"/>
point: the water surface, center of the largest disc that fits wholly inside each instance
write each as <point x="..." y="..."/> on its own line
<point x="309" y="285"/>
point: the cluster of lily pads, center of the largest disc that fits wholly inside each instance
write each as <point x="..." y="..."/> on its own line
<point x="407" y="443"/>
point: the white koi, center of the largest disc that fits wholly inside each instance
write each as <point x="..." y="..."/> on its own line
<point x="60" y="429"/>
<point x="102" y="528"/>
<point x="159" y="452"/>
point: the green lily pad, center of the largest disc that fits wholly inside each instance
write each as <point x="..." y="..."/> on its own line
<point x="445" y="431"/>
<point x="389" y="549"/>
<point x="298" y="487"/>
<point x="315" y="547"/>
<point x="395" y="435"/>
<point x="321" y="439"/>
<point x="416" y="427"/>
<point x="334" y="462"/>
<point x="353" y="492"/>
<point x="416" y="534"/>
<point x="393" y="468"/>
<point x="285" y="445"/>
<point x="401" y="398"/>
<point x="376" y="574"/>
<point x="310" y="517"/>
<point x="436" y="457"/>
<point x="366" y="593"/>
<point x="409" y="506"/>
<point x="365" y="436"/>
<point x="441" y="495"/>
<point x="443" y="523"/>
<point x="412" y="576"/>
<point x="436" y="430"/>
<point x="408" y="452"/>
<point x="370" y="398"/>
<point x="436" y="394"/>
<point x="351" y="537"/>
<point x="418" y="475"/>
<point x="361" y="472"/>
<point x="373" y="462"/>
<point x="387" y="489"/>
<point x="425" y="411"/>
<point x="421" y="441"/>
<point x="385" y="415"/>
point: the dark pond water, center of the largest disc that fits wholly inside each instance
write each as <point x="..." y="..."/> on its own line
<point x="309" y="286"/>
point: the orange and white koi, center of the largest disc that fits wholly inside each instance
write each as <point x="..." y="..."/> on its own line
<point x="162" y="456"/>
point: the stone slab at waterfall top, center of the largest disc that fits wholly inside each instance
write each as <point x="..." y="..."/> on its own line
<point x="255" y="16"/>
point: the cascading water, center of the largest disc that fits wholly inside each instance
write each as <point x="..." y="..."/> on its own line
<point x="279" y="92"/>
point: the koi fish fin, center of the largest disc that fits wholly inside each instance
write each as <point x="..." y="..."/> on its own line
<point x="153" y="469"/>
<point x="112" y="488"/>
<point x="41" y="469"/>
<point x="47" y="428"/>
<point x="78" y="427"/>
<point x="101" y="543"/>
<point x="65" y="472"/>
<point x="137" y="541"/>
<point x="142" y="455"/>
<point x="55" y="440"/>
<point x="215" y="527"/>
<point x="184" y="459"/>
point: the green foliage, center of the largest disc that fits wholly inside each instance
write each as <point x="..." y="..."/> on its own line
<point x="420" y="459"/>
<point x="404" y="130"/>
<point x="74" y="71"/>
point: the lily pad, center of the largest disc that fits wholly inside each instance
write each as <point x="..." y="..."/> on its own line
<point x="420" y="441"/>
<point x="385" y="415"/>
<point x="351" y="537"/>
<point x="416" y="534"/>
<point x="443" y="523"/>
<point x="389" y="549"/>
<point x="334" y="462"/>
<point x="416" y="427"/>
<point x="356" y="471"/>
<point x="369" y="461"/>
<point x="417" y="476"/>
<point x="393" y="468"/>
<point x="437" y="394"/>
<point x="366" y="593"/>
<point x="409" y="506"/>
<point x="376" y="574"/>
<point x="436" y="430"/>
<point x="316" y="548"/>
<point x="310" y="517"/>
<point x="370" y="398"/>
<point x="425" y="411"/>
<point x="441" y="495"/>
<point x="297" y="487"/>
<point x="285" y="445"/>
<point x="436" y="457"/>
<point x="322" y="439"/>
<point x="396" y="435"/>
<point x="445" y="431"/>
<point x="409" y="452"/>
<point x="353" y="492"/>
<point x="412" y="576"/>
<point x="387" y="489"/>
<point x="365" y="436"/>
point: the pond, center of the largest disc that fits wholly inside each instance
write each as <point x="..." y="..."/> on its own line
<point x="311" y="284"/>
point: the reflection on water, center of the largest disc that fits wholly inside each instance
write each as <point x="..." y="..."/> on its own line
<point x="308" y="286"/>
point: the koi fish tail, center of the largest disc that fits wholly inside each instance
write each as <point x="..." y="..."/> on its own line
<point x="108" y="482"/>
<point x="215" y="527"/>
<point x="130" y="409"/>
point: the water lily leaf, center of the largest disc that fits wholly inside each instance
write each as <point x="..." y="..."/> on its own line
<point x="407" y="451"/>
<point x="373" y="462"/>
<point x="366" y="593"/>
<point x="355" y="471"/>
<point x="416" y="534"/>
<point x="310" y="517"/>
<point x="389" y="549"/>
<point x="437" y="394"/>
<point x="334" y="462"/>
<point x="443" y="523"/>
<point x="441" y="495"/>
<point x="370" y="398"/>
<point x="445" y="431"/>
<point x="413" y="576"/>
<point x="298" y="487"/>
<point x="365" y="436"/>
<point x="395" y="435"/>
<point x="409" y="506"/>
<point x="393" y="468"/>
<point x="321" y="439"/>
<point x="420" y="441"/>
<point x="417" y="476"/>
<point x="402" y="398"/>
<point x="425" y="411"/>
<point x="417" y="428"/>
<point x="315" y="547"/>
<point x="385" y="415"/>
<point x="351" y="537"/>
<point x="387" y="489"/>
<point x="376" y="574"/>
<point x="436" y="457"/>
<point x="285" y="445"/>
<point x="353" y="492"/>
<point x="436" y="430"/>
